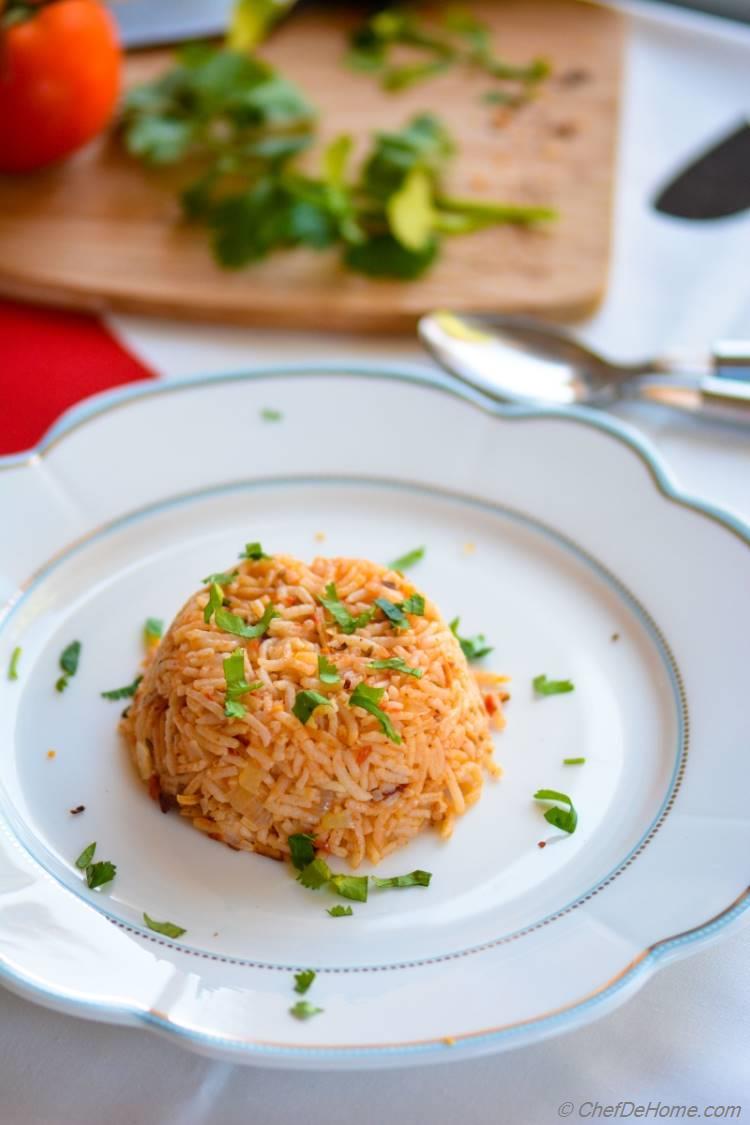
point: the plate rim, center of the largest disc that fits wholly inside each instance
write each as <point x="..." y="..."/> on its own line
<point x="575" y="1014"/>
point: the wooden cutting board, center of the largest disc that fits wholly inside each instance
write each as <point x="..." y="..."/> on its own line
<point x="101" y="233"/>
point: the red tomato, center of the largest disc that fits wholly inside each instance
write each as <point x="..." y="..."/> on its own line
<point x="59" y="81"/>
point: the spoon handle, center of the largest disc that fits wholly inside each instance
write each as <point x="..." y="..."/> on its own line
<point x="724" y="394"/>
<point x="711" y="396"/>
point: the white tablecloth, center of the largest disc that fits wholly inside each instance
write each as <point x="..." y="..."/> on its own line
<point x="685" y="1038"/>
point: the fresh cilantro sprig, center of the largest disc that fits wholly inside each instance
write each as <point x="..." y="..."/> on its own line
<point x="396" y="613"/>
<point x="413" y="879"/>
<point x="254" y="551"/>
<point x="220" y="578"/>
<point x="328" y="673"/>
<point x="236" y="684"/>
<point x="543" y="686"/>
<point x="304" y="1010"/>
<point x="303" y="980"/>
<point x="339" y="911"/>
<point x="368" y="699"/>
<point x="306" y="702"/>
<point x="473" y="648"/>
<point x="411" y="558"/>
<point x="15" y="656"/>
<point x="566" y="819"/>
<point x="126" y="692"/>
<point x="153" y="629"/>
<point x="343" y="617"/>
<point x="397" y="664"/>
<point x="69" y="659"/>
<point x="302" y="848"/>
<point x="239" y="126"/>
<point x="459" y="39"/>
<point x="97" y="874"/>
<point x="168" y="929"/>
<point x="231" y="622"/>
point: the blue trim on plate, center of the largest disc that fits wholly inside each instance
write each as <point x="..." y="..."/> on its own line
<point x="632" y="975"/>
<point x="41" y="855"/>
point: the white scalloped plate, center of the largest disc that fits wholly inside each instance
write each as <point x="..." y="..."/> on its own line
<point x="556" y="534"/>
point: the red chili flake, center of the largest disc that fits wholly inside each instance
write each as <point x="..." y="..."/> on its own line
<point x="214" y="836"/>
<point x="154" y="788"/>
<point x="363" y="754"/>
<point x="78" y="809"/>
<point x="166" y="802"/>
<point x="491" y="704"/>
<point x="542" y="844"/>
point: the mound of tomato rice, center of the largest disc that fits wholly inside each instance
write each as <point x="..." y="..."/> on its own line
<point x="330" y="699"/>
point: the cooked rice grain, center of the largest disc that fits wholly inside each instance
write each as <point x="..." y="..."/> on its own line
<point x="251" y="782"/>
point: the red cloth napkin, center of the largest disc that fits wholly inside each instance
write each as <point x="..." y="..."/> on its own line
<point x="50" y="360"/>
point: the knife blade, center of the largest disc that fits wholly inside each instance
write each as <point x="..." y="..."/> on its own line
<point x="715" y="184"/>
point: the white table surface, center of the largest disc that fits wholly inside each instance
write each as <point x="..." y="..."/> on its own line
<point x="685" y="1038"/>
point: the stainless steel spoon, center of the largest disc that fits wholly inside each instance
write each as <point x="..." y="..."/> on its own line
<point x="519" y="359"/>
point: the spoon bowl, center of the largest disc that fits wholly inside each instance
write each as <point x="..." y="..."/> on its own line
<point x="521" y="360"/>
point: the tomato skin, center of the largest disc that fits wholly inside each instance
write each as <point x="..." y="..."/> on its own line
<point x="59" y="82"/>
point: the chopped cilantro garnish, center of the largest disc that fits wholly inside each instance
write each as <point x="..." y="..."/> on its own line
<point x="403" y="562"/>
<point x="396" y="614"/>
<point x="340" y="911"/>
<point x="543" y="686"/>
<point x="351" y="886"/>
<point x="302" y="848"/>
<point x="315" y="875"/>
<point x="573" y="761"/>
<point x="269" y="415"/>
<point x="306" y="702"/>
<point x="566" y="819"/>
<point x="413" y="879"/>
<point x="254" y="551"/>
<point x="231" y="623"/>
<point x="126" y="692"/>
<point x="473" y="648"/>
<point x="221" y="578"/>
<point x="328" y="673"/>
<point x="368" y="698"/>
<point x="303" y="1010"/>
<point x="237" y="685"/>
<point x="397" y="664"/>
<point x="86" y="856"/>
<point x="69" y="663"/>
<point x="153" y="630"/>
<point x="215" y="601"/>
<point x="414" y="605"/>
<point x="69" y="658"/>
<point x="15" y="656"/>
<point x="393" y="612"/>
<point x="167" y="928"/>
<point x="233" y="709"/>
<point x="345" y="620"/>
<point x="303" y="980"/>
<point x="97" y="874"/>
